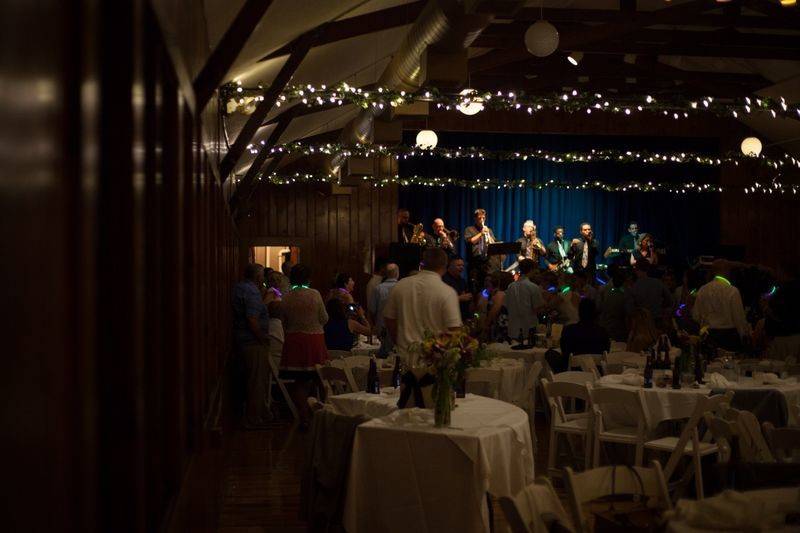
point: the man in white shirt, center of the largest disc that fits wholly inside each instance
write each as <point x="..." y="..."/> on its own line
<point x="523" y="301"/>
<point x="422" y="303"/>
<point x="718" y="305"/>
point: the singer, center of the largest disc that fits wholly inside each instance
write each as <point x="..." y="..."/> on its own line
<point x="646" y="251"/>
<point x="583" y="252"/>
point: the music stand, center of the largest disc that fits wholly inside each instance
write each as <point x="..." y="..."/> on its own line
<point x="499" y="250"/>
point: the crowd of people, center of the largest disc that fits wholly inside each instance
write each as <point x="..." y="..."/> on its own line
<point x="285" y="318"/>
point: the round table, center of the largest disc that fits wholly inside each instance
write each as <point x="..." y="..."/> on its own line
<point x="514" y="386"/>
<point x="529" y="355"/>
<point x="407" y="475"/>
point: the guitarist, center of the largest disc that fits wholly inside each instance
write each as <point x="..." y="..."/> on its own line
<point x="627" y="244"/>
<point x="558" y="252"/>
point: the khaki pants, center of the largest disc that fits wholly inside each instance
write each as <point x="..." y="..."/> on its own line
<point x="256" y="362"/>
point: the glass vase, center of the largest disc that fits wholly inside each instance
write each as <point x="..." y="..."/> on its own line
<point x="443" y="402"/>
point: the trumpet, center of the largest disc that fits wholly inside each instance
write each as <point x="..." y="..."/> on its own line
<point x="452" y="234"/>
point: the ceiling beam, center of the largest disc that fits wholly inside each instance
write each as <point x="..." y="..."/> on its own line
<point x="585" y="38"/>
<point x="651" y="18"/>
<point x="226" y="52"/>
<point x="383" y="19"/>
<point x="250" y="176"/>
<point x="271" y="94"/>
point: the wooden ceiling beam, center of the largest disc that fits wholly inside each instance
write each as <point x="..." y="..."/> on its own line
<point x="650" y="18"/>
<point x="582" y="39"/>
<point x="339" y="30"/>
<point x="271" y="94"/>
<point x="222" y="58"/>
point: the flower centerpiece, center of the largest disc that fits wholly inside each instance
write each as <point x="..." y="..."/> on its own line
<point x="449" y="355"/>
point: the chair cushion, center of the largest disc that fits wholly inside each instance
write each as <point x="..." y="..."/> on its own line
<point x="667" y="444"/>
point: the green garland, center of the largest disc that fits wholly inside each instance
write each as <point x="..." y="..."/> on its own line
<point x="237" y="98"/>
<point x="574" y="156"/>
<point x="497" y="183"/>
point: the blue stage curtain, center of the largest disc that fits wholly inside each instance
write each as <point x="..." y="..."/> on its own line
<point x="687" y="224"/>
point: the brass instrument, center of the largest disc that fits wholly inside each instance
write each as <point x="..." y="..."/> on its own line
<point x="452" y="235"/>
<point x="418" y="235"/>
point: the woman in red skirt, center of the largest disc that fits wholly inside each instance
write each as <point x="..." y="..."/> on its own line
<point x="304" y="316"/>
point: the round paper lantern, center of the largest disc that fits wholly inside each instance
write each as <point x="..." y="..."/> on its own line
<point x="474" y="105"/>
<point x="541" y="39"/>
<point x="751" y="146"/>
<point x="427" y="139"/>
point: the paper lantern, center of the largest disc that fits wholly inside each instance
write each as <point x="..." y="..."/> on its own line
<point x="427" y="139"/>
<point x="541" y="39"/>
<point x="751" y="146"/>
<point x="474" y="105"/>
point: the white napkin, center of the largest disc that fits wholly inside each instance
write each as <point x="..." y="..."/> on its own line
<point x="411" y="417"/>
<point x="610" y="379"/>
<point x="716" y="380"/>
<point x="634" y="380"/>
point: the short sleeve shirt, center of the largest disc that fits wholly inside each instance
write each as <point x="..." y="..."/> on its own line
<point x="247" y="303"/>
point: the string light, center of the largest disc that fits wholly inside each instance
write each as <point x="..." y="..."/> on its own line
<point x="497" y="183"/>
<point x="243" y="99"/>
<point x="552" y="156"/>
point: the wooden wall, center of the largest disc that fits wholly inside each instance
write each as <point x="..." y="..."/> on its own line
<point x="119" y="254"/>
<point x="335" y="232"/>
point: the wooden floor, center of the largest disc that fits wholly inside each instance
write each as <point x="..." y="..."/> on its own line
<point x="261" y="473"/>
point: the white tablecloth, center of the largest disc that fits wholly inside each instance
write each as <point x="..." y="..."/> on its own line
<point x="408" y="476"/>
<point x="513" y="380"/>
<point x="364" y="403"/>
<point x="670" y="404"/>
<point x="529" y="355"/>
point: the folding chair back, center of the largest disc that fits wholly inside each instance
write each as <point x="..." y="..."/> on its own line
<point x="784" y="442"/>
<point x="555" y="392"/>
<point x="753" y="446"/>
<point x="273" y="369"/>
<point x="725" y="434"/>
<point x="616" y="362"/>
<point x="597" y="483"/>
<point x="535" y="509"/>
<point x="631" y="402"/>
<point x="586" y="362"/>
<point x="574" y="376"/>
<point x="349" y="372"/>
<point x="334" y="380"/>
<point x="483" y="381"/>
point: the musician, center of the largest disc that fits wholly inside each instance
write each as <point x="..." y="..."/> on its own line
<point x="627" y="244"/>
<point x="405" y="230"/>
<point x="558" y="252"/>
<point x="583" y="251"/>
<point x="442" y="238"/>
<point x="532" y="246"/>
<point x="645" y="251"/>
<point x="477" y="238"/>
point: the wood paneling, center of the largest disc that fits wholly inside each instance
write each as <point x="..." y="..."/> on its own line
<point x="119" y="256"/>
<point x="336" y="233"/>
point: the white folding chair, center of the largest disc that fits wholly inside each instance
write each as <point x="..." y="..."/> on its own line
<point x="352" y="382"/>
<point x="535" y="509"/>
<point x="752" y="444"/>
<point x="597" y="483"/>
<point x="574" y="376"/>
<point x="483" y="381"/>
<point x="561" y="421"/>
<point x="586" y="362"/>
<point x="631" y="403"/>
<point x="689" y="444"/>
<point x="783" y="442"/>
<point x="274" y="374"/>
<point x="617" y="346"/>
<point x="335" y="380"/>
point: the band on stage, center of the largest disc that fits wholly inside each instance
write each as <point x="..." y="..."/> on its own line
<point x="485" y="254"/>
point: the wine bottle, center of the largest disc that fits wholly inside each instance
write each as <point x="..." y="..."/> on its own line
<point x="373" y="381"/>
<point x="520" y="338"/>
<point x="648" y="371"/>
<point x="665" y="347"/>
<point x="396" y="374"/>
<point x="531" y="337"/>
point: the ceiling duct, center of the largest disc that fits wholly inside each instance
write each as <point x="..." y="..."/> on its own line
<point x="443" y="25"/>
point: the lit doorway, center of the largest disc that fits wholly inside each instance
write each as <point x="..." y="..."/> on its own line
<point x="274" y="256"/>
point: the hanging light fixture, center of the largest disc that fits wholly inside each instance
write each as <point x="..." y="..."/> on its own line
<point x="541" y="39"/>
<point x="471" y="105"/>
<point x="575" y="58"/>
<point x="751" y="146"/>
<point x="788" y="2"/>
<point x="427" y="139"/>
